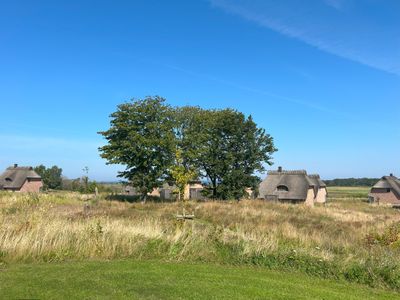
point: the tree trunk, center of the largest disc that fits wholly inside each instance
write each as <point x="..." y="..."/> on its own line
<point x="214" y="187"/>
<point x="143" y="198"/>
<point x="143" y="190"/>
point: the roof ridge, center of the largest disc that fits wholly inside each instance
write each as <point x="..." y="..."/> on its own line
<point x="287" y="172"/>
<point x="27" y="168"/>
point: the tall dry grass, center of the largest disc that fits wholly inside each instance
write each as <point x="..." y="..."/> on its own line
<point x="328" y="241"/>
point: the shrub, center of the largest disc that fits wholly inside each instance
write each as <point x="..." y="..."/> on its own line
<point x="389" y="237"/>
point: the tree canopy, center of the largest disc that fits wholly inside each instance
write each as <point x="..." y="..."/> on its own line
<point x="232" y="150"/>
<point x="141" y="138"/>
<point x="156" y="142"/>
<point x="51" y="177"/>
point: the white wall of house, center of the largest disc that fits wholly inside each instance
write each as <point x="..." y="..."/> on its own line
<point x="196" y="185"/>
<point x="321" y="196"/>
<point x="310" y="197"/>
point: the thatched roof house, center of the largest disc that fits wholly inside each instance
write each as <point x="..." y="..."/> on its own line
<point x="193" y="191"/>
<point x="20" y="179"/>
<point x="386" y="190"/>
<point x="131" y="191"/>
<point x="293" y="186"/>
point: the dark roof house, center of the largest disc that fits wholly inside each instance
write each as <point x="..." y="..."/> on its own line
<point x="386" y="190"/>
<point x="20" y="179"/>
<point x="293" y="186"/>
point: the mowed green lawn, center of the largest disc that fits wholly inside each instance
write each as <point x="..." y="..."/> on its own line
<point x="161" y="280"/>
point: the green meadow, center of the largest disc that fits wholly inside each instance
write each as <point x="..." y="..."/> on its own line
<point x="161" y="280"/>
<point x="69" y="245"/>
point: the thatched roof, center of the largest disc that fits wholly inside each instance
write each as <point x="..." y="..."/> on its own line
<point x="15" y="177"/>
<point x="289" y="185"/>
<point x="316" y="180"/>
<point x="389" y="182"/>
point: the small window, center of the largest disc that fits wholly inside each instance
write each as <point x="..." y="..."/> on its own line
<point x="8" y="179"/>
<point x="282" y="188"/>
<point x="387" y="190"/>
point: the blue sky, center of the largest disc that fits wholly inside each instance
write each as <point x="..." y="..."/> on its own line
<point x="321" y="76"/>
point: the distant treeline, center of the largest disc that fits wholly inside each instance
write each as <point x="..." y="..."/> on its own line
<point x="351" y="182"/>
<point x="53" y="179"/>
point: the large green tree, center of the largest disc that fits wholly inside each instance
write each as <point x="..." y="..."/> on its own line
<point x="231" y="150"/>
<point x="141" y="137"/>
<point x="157" y="143"/>
<point x="51" y="177"/>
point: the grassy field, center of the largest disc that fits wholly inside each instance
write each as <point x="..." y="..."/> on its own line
<point x="157" y="280"/>
<point x="347" y="239"/>
<point x="347" y="193"/>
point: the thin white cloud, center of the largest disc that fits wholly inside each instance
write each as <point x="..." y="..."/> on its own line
<point x="373" y="47"/>
<point x="272" y="95"/>
<point x="337" y="4"/>
<point x="311" y="105"/>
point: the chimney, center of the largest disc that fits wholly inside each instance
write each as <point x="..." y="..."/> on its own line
<point x="391" y="174"/>
<point x="279" y="169"/>
<point x="15" y="166"/>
